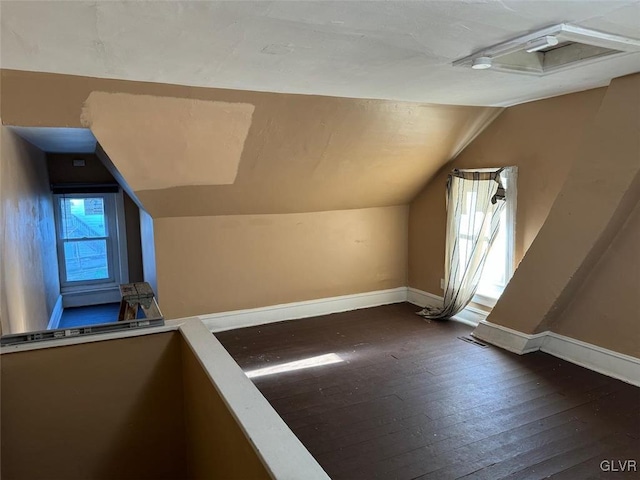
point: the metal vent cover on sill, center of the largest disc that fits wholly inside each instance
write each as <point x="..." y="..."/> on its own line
<point x="573" y="46"/>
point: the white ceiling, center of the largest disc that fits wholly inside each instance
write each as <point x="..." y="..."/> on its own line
<point x="389" y="50"/>
<point x="59" y="140"/>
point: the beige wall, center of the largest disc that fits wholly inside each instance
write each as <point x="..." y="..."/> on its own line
<point x="216" y="446"/>
<point x="606" y="309"/>
<point x="213" y="264"/>
<point x="597" y="198"/>
<point x="103" y="410"/>
<point x="542" y="138"/>
<point x="134" y="240"/>
<point x="29" y="283"/>
<point x="61" y="169"/>
<point x="133" y="408"/>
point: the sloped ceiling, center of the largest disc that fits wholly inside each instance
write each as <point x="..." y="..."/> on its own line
<point x="397" y="50"/>
<point x="287" y="153"/>
<point x="188" y="151"/>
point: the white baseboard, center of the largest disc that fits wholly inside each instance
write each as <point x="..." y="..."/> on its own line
<point x="614" y="364"/>
<point x="56" y="314"/>
<point x="610" y="363"/>
<point x="512" y="340"/>
<point x="421" y="298"/>
<point x="470" y="315"/>
<point x="218" y="322"/>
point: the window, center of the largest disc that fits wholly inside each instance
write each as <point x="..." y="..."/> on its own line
<point x="91" y="253"/>
<point x="499" y="265"/>
<point x="84" y="236"/>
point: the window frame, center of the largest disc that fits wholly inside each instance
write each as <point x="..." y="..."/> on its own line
<point x="89" y="292"/>
<point x="511" y="204"/>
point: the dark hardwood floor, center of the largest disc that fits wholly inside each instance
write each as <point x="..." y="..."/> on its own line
<point x="410" y="400"/>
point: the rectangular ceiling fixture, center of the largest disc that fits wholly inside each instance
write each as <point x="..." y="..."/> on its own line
<point x="550" y="50"/>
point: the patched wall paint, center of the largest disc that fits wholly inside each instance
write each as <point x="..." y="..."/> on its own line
<point x="29" y="283"/>
<point x="162" y="142"/>
<point x="309" y="154"/>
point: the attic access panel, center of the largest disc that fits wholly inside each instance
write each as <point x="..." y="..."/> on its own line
<point x="568" y="46"/>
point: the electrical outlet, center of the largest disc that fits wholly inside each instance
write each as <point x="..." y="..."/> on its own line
<point x="442" y="284"/>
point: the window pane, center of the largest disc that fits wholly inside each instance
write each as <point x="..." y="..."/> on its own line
<point x="86" y="260"/>
<point x="494" y="273"/>
<point x="83" y="218"/>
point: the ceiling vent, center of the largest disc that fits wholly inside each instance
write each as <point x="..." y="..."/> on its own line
<point x="550" y="50"/>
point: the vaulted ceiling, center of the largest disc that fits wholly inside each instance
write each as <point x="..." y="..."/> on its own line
<point x="398" y="50"/>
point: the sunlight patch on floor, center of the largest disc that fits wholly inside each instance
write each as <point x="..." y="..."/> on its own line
<point x="310" y="362"/>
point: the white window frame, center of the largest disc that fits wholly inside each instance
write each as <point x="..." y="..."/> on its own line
<point x="511" y="205"/>
<point x="92" y="292"/>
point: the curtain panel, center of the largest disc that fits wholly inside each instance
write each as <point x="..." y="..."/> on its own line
<point x="474" y="201"/>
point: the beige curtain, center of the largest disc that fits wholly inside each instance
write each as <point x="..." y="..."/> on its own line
<point x="475" y="200"/>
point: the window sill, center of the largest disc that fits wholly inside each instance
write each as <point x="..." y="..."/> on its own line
<point x="89" y="287"/>
<point x="110" y="294"/>
<point x="486" y="300"/>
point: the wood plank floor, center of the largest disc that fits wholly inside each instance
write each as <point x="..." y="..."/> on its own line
<point x="410" y="400"/>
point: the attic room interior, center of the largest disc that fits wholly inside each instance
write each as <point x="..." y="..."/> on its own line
<point x="387" y="240"/>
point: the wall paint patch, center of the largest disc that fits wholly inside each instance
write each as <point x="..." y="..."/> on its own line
<point x="164" y="142"/>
